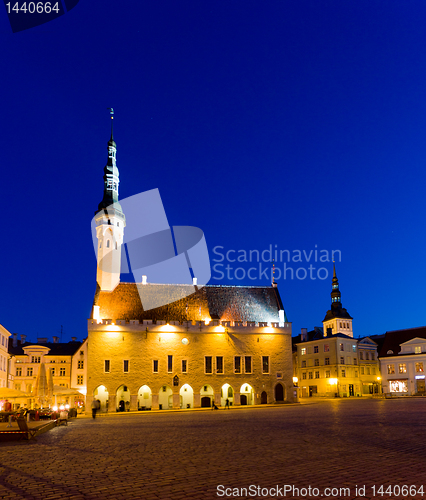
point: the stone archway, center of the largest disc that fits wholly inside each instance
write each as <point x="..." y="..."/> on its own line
<point x="144" y="398"/>
<point x="165" y="397"/>
<point x="226" y="393"/>
<point x="246" y="395"/>
<point x="102" y="394"/>
<point x="279" y="392"/>
<point x="122" y="400"/>
<point x="207" y="396"/>
<point x="186" y="396"/>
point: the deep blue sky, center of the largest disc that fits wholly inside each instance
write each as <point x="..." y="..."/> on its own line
<point x="262" y="122"/>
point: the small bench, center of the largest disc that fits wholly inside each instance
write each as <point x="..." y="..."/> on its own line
<point x="23" y="426"/>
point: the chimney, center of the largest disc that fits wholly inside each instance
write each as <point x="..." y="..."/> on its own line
<point x="194" y="281"/>
<point x="304" y="335"/>
<point x="55" y="340"/>
<point x="15" y="339"/>
<point x="143" y="279"/>
<point x="23" y="337"/>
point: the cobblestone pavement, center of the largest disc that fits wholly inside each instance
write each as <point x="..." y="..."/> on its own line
<point x="188" y="454"/>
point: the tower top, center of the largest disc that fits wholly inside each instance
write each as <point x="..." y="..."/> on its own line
<point x="111" y="142"/>
<point x="111" y="175"/>
<point x="336" y="311"/>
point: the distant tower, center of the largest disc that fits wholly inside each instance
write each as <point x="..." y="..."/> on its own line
<point x="337" y="318"/>
<point x="110" y="223"/>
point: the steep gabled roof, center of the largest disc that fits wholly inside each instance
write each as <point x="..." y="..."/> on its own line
<point x="394" y="338"/>
<point x="227" y="303"/>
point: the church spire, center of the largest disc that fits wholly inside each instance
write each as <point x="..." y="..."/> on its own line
<point x="335" y="292"/>
<point x="111" y="175"/>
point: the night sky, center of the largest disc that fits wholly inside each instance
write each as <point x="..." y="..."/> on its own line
<point x="297" y="124"/>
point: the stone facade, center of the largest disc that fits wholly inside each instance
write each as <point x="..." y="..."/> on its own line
<point x="187" y="365"/>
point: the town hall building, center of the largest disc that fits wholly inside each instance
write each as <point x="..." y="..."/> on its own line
<point x="216" y="345"/>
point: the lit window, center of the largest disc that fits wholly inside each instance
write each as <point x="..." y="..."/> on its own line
<point x="398" y="386"/>
<point x="419" y="367"/>
<point x="402" y="368"/>
<point x="326" y="348"/>
<point x="342" y="347"/>
<point x="391" y="369"/>
<point x="303" y="351"/>
<point x="418" y="349"/>
<point x="353" y="348"/>
<point x="208" y="364"/>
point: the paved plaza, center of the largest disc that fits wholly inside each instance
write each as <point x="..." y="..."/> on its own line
<point x="189" y="454"/>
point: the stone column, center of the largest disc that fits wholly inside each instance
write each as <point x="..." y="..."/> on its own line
<point x="237" y="400"/>
<point x="112" y="404"/>
<point x="176" y="401"/>
<point x="133" y="402"/>
<point x="155" y="402"/>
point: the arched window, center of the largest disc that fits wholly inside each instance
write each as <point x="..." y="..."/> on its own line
<point x="107" y="243"/>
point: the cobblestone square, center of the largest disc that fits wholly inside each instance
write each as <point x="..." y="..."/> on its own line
<point x="188" y="454"/>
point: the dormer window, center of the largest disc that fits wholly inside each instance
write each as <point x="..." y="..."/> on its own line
<point x="418" y="349"/>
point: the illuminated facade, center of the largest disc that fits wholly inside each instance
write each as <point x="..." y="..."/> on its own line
<point x="61" y="361"/>
<point x="403" y="365"/>
<point x="216" y="343"/>
<point x="4" y="357"/>
<point x="335" y="364"/>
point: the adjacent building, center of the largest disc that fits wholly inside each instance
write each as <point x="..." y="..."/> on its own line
<point x="330" y="362"/>
<point x="403" y="362"/>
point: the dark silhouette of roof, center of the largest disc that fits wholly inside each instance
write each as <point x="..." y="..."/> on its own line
<point x="394" y="338"/>
<point x="56" y="349"/>
<point x="226" y="303"/>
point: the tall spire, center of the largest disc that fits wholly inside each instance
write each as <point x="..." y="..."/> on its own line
<point x="111" y="174"/>
<point x="335" y="292"/>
